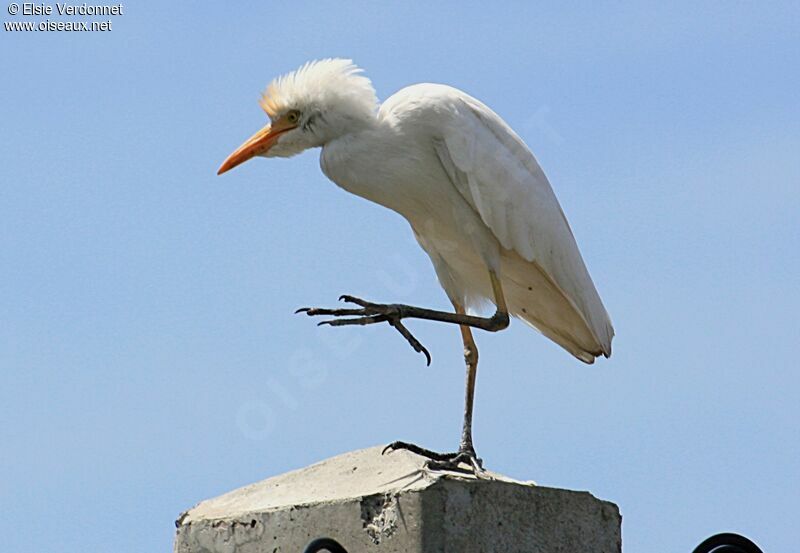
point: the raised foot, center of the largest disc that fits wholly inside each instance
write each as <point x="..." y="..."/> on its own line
<point x="464" y="460"/>
<point x="368" y="313"/>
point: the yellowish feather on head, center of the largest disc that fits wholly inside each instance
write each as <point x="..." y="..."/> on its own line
<point x="270" y="102"/>
<point x="330" y="84"/>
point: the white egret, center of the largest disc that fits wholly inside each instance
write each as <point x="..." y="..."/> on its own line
<point x="475" y="197"/>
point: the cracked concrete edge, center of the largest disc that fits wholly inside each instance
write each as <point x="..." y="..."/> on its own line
<point x="389" y="521"/>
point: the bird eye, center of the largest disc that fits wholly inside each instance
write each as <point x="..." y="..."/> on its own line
<point x="293" y="116"/>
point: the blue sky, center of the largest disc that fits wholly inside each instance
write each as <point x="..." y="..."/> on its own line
<point x="148" y="351"/>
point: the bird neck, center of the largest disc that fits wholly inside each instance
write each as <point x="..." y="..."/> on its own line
<point x="360" y="162"/>
<point x="341" y="125"/>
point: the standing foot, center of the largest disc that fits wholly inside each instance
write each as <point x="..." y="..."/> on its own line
<point x="444" y="461"/>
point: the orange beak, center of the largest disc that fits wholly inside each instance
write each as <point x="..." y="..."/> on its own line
<point x="257" y="144"/>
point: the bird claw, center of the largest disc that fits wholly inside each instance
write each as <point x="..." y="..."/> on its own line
<point x="453" y="462"/>
<point x="363" y="320"/>
<point x="457" y="462"/>
<point x="358" y="301"/>
<point x="369" y="313"/>
<point x="418" y="347"/>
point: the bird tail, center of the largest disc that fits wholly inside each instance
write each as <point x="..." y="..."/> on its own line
<point x="534" y="298"/>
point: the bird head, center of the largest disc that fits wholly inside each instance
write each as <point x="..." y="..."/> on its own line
<point x="320" y="101"/>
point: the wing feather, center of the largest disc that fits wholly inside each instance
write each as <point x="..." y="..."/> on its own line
<point x="499" y="177"/>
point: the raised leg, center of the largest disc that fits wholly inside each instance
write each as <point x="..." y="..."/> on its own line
<point x="372" y="313"/>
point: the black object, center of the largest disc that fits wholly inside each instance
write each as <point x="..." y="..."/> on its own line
<point x="720" y="543"/>
<point x="329" y="544"/>
<point x="726" y="543"/>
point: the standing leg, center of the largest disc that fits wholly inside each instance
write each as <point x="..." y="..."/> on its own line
<point x="466" y="451"/>
<point x="471" y="360"/>
<point x="467" y="448"/>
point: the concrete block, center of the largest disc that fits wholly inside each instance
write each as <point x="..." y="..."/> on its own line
<point x="370" y="502"/>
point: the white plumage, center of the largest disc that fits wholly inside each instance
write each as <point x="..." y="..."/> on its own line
<point x="470" y="188"/>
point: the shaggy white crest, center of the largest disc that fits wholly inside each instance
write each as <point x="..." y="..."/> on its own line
<point x="329" y="85"/>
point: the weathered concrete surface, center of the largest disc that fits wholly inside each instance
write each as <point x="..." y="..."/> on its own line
<point x="388" y="503"/>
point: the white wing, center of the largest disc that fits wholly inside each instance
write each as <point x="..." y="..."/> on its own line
<point x="499" y="177"/>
